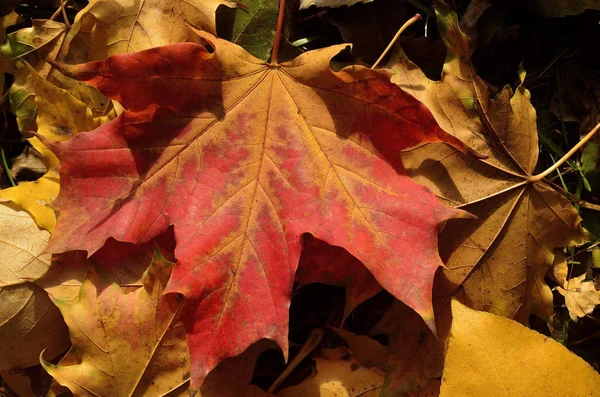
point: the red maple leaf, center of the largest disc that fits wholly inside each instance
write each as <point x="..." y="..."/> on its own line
<point x="243" y="157"/>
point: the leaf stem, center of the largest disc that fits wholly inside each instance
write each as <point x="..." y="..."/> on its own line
<point x="539" y="177"/>
<point x="396" y="37"/>
<point x="278" y="33"/>
<point x="313" y="341"/>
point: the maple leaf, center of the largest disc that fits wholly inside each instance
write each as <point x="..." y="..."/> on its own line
<point x="29" y="322"/>
<point x="123" y="343"/>
<point x="498" y="261"/>
<point x="494" y="356"/>
<point x="110" y="27"/>
<point x="243" y="157"/>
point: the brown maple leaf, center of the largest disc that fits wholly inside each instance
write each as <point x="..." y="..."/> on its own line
<point x="500" y="260"/>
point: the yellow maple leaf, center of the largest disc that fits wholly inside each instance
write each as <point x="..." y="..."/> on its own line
<point x="493" y="356"/>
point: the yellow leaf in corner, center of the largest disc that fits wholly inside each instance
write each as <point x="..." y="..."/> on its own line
<point x="493" y="356"/>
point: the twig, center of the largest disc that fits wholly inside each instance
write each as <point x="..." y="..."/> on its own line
<point x="396" y="37"/>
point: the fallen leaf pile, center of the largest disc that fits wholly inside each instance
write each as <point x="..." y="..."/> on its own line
<point x="190" y="187"/>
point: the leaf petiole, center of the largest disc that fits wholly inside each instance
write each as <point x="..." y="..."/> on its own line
<point x="313" y="341"/>
<point x="563" y="159"/>
<point x="278" y="33"/>
<point x="396" y="37"/>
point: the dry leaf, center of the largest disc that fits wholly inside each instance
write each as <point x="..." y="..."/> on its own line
<point x="123" y="343"/>
<point x="28" y="382"/>
<point x="367" y="351"/>
<point x="109" y="27"/>
<point x="122" y="263"/>
<point x="6" y="21"/>
<point x="59" y="117"/>
<point x="415" y="354"/>
<point x="28" y="164"/>
<point x="336" y="378"/>
<point x="581" y="297"/>
<point x="499" y="261"/>
<point x="232" y="377"/>
<point x="34" y="45"/>
<point x="494" y="356"/>
<point x="29" y="322"/>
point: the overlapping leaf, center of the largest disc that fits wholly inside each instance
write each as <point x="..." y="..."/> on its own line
<point x="338" y="377"/>
<point x="59" y="117"/>
<point x="243" y="157"/>
<point x="500" y="260"/>
<point x="254" y="27"/>
<point x="415" y="353"/>
<point x="581" y="297"/>
<point x="110" y="27"/>
<point x="6" y="21"/>
<point x="493" y="356"/>
<point x="29" y="322"/>
<point x="33" y="45"/>
<point x="123" y="344"/>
